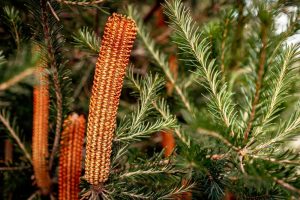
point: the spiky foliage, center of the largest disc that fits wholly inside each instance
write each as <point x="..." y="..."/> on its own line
<point x="87" y="39"/>
<point x="132" y="175"/>
<point x="113" y="59"/>
<point x="159" y="58"/>
<point x="262" y="154"/>
<point x="70" y="159"/>
<point x="12" y="17"/>
<point x="188" y="39"/>
<point x="47" y="34"/>
<point x="229" y="97"/>
<point x="40" y="131"/>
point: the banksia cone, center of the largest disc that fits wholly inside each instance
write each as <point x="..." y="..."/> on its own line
<point x="70" y="157"/>
<point x="40" y="131"/>
<point x="119" y="35"/>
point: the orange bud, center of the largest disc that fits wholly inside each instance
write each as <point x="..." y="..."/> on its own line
<point x="70" y="157"/>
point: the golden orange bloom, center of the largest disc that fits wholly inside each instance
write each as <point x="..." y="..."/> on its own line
<point x="119" y="35"/>
<point x="40" y="131"/>
<point x="70" y="157"/>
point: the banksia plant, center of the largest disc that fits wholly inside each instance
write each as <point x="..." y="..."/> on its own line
<point x="40" y="131"/>
<point x="119" y="35"/>
<point x="71" y="156"/>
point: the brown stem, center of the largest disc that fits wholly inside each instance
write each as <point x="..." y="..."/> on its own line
<point x="11" y="82"/>
<point x="287" y="186"/>
<point x="223" y="48"/>
<point x="87" y="3"/>
<point x="218" y="136"/>
<point x="152" y="10"/>
<point x="15" y="136"/>
<point x="55" y="77"/>
<point x="260" y="73"/>
<point x="13" y="168"/>
<point x="238" y="35"/>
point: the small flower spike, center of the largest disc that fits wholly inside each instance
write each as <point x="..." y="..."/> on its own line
<point x="40" y="131"/>
<point x="70" y="157"/>
<point x="119" y="35"/>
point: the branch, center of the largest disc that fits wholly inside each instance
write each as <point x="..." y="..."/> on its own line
<point x="198" y="50"/>
<point x="81" y="3"/>
<point x="55" y="77"/>
<point x="15" y="136"/>
<point x="291" y="162"/>
<point x="238" y="35"/>
<point x="13" y="168"/>
<point x="224" y="36"/>
<point x="16" y="79"/>
<point x="259" y="81"/>
<point x="287" y="186"/>
<point x="218" y="136"/>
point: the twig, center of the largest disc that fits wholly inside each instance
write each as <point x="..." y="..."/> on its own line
<point x="176" y="130"/>
<point x="258" y="84"/>
<point x="238" y="35"/>
<point x="32" y="197"/>
<point x="16" y="79"/>
<point x="218" y="136"/>
<point x="83" y="3"/>
<point x="152" y="10"/>
<point x="291" y="162"/>
<point x="55" y="77"/>
<point x="13" y="168"/>
<point x="224" y="36"/>
<point x="53" y="11"/>
<point x="15" y="136"/>
<point x="241" y="164"/>
<point x="82" y="82"/>
<point x="287" y="186"/>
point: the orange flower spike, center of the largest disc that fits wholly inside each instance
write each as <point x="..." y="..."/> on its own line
<point x="119" y="35"/>
<point x="40" y="131"/>
<point x="70" y="157"/>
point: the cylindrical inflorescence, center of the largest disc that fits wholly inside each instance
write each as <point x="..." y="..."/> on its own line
<point x="70" y="157"/>
<point x="40" y="131"/>
<point x="119" y="35"/>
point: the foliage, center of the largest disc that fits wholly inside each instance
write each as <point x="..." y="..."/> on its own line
<point x="234" y="110"/>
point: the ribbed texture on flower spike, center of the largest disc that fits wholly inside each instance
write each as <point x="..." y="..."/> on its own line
<point x="40" y="131"/>
<point x="117" y="42"/>
<point x="70" y="157"/>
